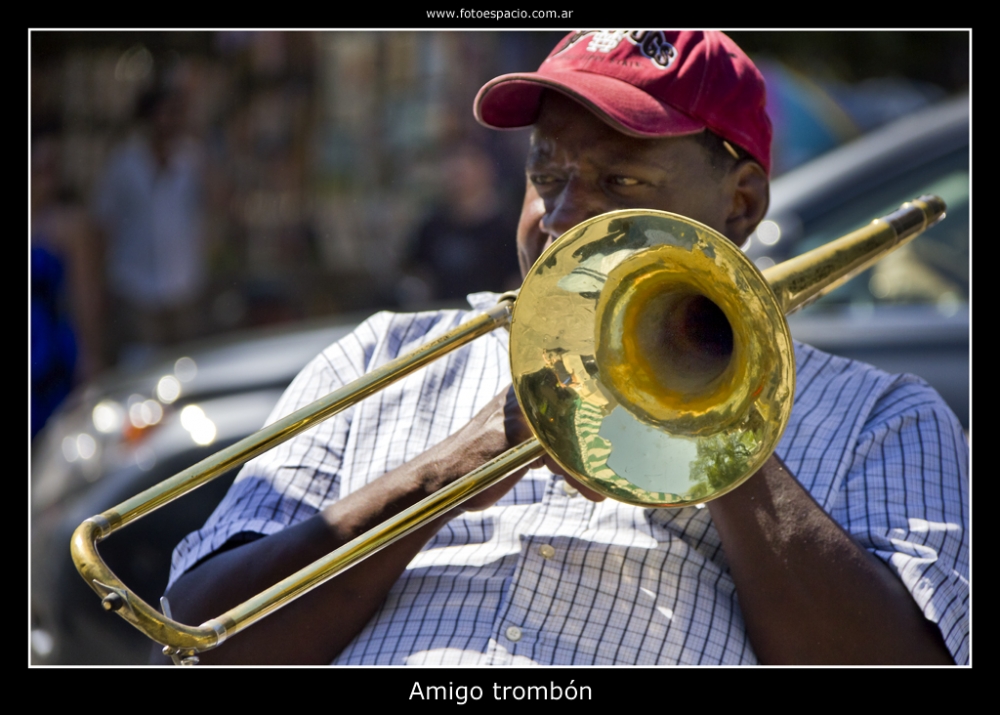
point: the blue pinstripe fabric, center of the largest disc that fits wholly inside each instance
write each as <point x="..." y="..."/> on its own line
<point x="547" y="577"/>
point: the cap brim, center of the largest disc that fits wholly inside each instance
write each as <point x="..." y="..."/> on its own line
<point x="513" y="101"/>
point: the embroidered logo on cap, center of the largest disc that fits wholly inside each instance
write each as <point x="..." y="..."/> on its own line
<point x="653" y="45"/>
<point x="606" y="40"/>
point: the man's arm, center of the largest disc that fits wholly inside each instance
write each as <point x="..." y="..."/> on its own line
<point x="317" y="626"/>
<point x="808" y="591"/>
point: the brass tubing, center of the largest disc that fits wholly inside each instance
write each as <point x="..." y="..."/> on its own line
<point x="799" y="281"/>
<point x="376" y="539"/>
<point x="83" y="546"/>
<point x="117" y="597"/>
<point x="212" y="633"/>
<point x="301" y="420"/>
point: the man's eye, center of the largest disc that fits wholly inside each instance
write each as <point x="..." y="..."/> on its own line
<point x="624" y="181"/>
<point x="543" y="179"/>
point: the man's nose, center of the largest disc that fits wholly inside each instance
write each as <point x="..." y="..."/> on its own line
<point x="574" y="204"/>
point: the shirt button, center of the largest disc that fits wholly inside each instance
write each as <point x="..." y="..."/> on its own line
<point x="514" y="633"/>
<point x="546" y="551"/>
<point x="570" y="489"/>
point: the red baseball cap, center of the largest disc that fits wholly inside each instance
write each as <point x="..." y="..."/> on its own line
<point x="646" y="84"/>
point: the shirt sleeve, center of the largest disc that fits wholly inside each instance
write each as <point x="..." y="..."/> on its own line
<point x="906" y="499"/>
<point x="293" y="481"/>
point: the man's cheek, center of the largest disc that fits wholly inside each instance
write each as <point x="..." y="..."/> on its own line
<point x="530" y="238"/>
<point x="532" y="210"/>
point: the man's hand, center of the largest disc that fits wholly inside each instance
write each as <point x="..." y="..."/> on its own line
<point x="499" y="426"/>
<point x="517" y="431"/>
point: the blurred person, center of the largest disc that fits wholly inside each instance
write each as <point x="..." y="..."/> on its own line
<point x="849" y="545"/>
<point x="466" y="244"/>
<point x="149" y="203"/>
<point x="66" y="287"/>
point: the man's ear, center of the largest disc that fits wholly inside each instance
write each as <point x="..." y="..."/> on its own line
<point x="751" y="194"/>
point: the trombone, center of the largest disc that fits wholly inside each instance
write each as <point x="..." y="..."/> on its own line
<point x="651" y="359"/>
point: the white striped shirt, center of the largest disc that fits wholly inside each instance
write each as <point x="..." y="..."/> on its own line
<point x="548" y="577"/>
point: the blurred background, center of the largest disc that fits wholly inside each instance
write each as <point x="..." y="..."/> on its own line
<point x="210" y="209"/>
<point x="309" y="163"/>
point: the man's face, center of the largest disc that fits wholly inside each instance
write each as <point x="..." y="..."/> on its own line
<point x="579" y="167"/>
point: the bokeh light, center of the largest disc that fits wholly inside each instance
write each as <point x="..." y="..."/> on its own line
<point x="768" y="233"/>
<point x="185" y="369"/>
<point x="107" y="416"/>
<point x="197" y="423"/>
<point x="168" y="389"/>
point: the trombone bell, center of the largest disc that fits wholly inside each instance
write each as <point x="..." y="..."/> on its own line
<point x="651" y="359"/>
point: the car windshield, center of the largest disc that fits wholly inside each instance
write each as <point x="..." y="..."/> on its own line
<point x="933" y="269"/>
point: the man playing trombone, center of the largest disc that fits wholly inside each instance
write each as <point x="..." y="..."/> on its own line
<point x="849" y="545"/>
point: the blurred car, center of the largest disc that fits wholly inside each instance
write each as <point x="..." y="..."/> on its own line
<point x="127" y="432"/>
<point x="909" y="312"/>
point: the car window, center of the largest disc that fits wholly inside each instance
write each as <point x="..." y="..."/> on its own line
<point x="933" y="268"/>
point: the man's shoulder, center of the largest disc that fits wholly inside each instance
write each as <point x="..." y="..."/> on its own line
<point x="815" y="367"/>
<point x="828" y="382"/>
<point x="846" y="412"/>
<point x="393" y="333"/>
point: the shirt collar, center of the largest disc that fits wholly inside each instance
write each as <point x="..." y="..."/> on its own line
<point x="483" y="300"/>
